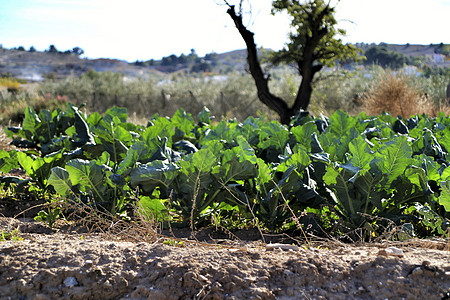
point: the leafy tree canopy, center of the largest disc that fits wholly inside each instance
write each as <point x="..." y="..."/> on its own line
<point x="313" y="33"/>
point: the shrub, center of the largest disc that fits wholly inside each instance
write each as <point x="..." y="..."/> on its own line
<point x="11" y="84"/>
<point x="394" y="94"/>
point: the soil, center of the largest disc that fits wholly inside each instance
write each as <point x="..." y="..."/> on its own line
<point x="64" y="262"/>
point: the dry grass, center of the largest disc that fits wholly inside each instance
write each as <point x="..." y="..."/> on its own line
<point x="394" y="94"/>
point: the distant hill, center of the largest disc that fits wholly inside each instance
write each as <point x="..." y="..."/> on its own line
<point x="35" y="66"/>
<point x="436" y="54"/>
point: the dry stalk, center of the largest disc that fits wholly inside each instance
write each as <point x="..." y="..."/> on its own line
<point x="294" y="217"/>
<point x="251" y="211"/>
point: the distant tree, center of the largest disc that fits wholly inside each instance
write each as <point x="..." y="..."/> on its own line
<point x="213" y="58"/>
<point x="171" y="60"/>
<point x="201" y="67"/>
<point x="192" y="57"/>
<point x="182" y="59"/>
<point x="443" y="49"/>
<point x="313" y="44"/>
<point x="77" y="51"/>
<point x="52" y="49"/>
<point x="21" y="48"/>
<point x="381" y="55"/>
<point x="32" y="49"/>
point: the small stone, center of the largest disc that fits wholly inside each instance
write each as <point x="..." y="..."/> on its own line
<point x="70" y="281"/>
<point x="426" y="263"/>
<point x="88" y="263"/>
<point x="391" y="251"/>
<point x="271" y="247"/>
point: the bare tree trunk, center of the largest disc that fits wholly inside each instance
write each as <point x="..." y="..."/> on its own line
<point x="273" y="102"/>
<point x="307" y="65"/>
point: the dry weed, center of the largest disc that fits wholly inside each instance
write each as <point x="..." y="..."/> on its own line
<point x="395" y="95"/>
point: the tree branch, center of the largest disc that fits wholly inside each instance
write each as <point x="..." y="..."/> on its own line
<point x="275" y="103"/>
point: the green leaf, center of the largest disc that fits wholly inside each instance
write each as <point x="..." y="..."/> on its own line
<point x="303" y="134"/>
<point x="116" y="112"/>
<point x="153" y="174"/>
<point x="299" y="159"/>
<point x="152" y="209"/>
<point x="59" y="179"/>
<point x="162" y="127"/>
<point x="8" y="160"/>
<point x="198" y="162"/>
<point x="137" y="153"/>
<point x="204" y="115"/>
<point x="273" y="134"/>
<point x="88" y="176"/>
<point x="394" y="157"/>
<point x="234" y="170"/>
<point x="444" y="198"/>
<point x="183" y="121"/>
<point x="30" y="123"/>
<point x="264" y="173"/>
<point x="341" y="123"/>
<point x="361" y="153"/>
<point x="249" y="130"/>
<point x="244" y="151"/>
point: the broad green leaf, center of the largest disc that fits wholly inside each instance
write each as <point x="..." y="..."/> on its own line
<point x="29" y="164"/>
<point x="136" y="153"/>
<point x="273" y="134"/>
<point x="303" y="134"/>
<point x="201" y="162"/>
<point x="152" y="209"/>
<point x="153" y="174"/>
<point x="183" y="121"/>
<point x="83" y="135"/>
<point x="222" y="132"/>
<point x="299" y="159"/>
<point x="244" y="151"/>
<point x="369" y="186"/>
<point x="94" y="119"/>
<point x="88" y="176"/>
<point x="59" y="179"/>
<point x="249" y="130"/>
<point x="394" y="157"/>
<point x="162" y="127"/>
<point x="116" y="112"/>
<point x="235" y="170"/>
<point x="341" y="123"/>
<point x="330" y="176"/>
<point x="8" y="160"/>
<point x="216" y="147"/>
<point x="444" y="198"/>
<point x="30" y="122"/>
<point x="204" y="115"/>
<point x="361" y="153"/>
<point x="264" y="172"/>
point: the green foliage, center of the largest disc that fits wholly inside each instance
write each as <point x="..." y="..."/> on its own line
<point x="348" y="169"/>
<point x="313" y="18"/>
<point x="10" y="236"/>
<point x="381" y="55"/>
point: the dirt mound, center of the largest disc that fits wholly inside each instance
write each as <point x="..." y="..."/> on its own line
<point x="56" y="265"/>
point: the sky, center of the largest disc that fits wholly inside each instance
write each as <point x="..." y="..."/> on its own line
<point x="151" y="29"/>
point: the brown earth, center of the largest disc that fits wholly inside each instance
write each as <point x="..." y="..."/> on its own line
<point x="63" y="263"/>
